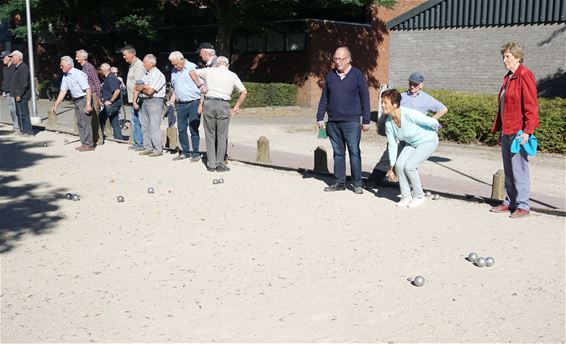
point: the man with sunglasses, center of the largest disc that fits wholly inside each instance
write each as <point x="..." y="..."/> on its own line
<point x="417" y="99"/>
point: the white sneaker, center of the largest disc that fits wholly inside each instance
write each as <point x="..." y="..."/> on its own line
<point x="404" y="202"/>
<point x="417" y="202"/>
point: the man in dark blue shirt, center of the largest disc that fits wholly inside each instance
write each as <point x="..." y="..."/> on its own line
<point x="112" y="100"/>
<point x="345" y="98"/>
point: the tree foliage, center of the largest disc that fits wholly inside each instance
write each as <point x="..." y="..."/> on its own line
<point x="259" y="14"/>
<point x="63" y="19"/>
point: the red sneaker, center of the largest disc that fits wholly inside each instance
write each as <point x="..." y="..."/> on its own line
<point x="519" y="213"/>
<point x="500" y="209"/>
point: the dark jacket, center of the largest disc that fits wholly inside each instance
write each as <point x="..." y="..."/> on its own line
<point x="19" y="84"/>
<point x="521" y="104"/>
<point x="7" y="73"/>
<point x="345" y="99"/>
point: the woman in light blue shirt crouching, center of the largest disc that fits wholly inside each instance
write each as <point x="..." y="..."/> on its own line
<point x="419" y="133"/>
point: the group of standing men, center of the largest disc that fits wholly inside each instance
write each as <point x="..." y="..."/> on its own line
<point x="195" y="92"/>
<point x="16" y="88"/>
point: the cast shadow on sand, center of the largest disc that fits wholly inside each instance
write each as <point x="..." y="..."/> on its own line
<point x="386" y="190"/>
<point x="24" y="209"/>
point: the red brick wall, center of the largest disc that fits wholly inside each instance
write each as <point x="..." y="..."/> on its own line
<point x="369" y="46"/>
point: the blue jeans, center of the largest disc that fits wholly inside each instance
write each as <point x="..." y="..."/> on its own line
<point x="517" y="175"/>
<point x="342" y="134"/>
<point x="22" y="112"/>
<point x="187" y="116"/>
<point x="111" y="112"/>
<point x="137" y="134"/>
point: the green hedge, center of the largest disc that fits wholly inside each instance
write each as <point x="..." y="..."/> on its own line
<point x="470" y="117"/>
<point x="274" y="94"/>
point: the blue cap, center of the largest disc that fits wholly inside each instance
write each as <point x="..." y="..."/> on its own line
<point x="416" y="77"/>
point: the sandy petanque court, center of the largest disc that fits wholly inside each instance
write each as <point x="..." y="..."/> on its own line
<point x="265" y="257"/>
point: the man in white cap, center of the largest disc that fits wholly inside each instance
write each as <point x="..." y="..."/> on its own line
<point x="21" y="91"/>
<point x="7" y="73"/>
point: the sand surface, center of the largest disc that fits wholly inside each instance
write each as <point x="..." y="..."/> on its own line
<point x="265" y="257"/>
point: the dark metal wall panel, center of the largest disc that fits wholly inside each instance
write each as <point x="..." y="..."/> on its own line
<point x="474" y="13"/>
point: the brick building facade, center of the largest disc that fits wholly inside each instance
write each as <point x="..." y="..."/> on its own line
<point x="465" y="54"/>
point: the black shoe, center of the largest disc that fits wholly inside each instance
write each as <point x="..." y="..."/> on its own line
<point x="222" y="168"/>
<point x="369" y="186"/>
<point x="335" y="187"/>
<point x="210" y="169"/>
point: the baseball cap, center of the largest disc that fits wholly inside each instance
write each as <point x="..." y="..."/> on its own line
<point x="16" y="52"/>
<point x="205" y="45"/>
<point x="416" y="77"/>
<point x="4" y="54"/>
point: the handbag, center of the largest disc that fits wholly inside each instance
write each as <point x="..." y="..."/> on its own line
<point x="530" y="147"/>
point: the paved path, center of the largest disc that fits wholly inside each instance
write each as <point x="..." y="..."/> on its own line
<point x="461" y="171"/>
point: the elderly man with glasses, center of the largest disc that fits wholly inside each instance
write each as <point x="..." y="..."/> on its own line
<point x="76" y="82"/>
<point x="345" y="98"/>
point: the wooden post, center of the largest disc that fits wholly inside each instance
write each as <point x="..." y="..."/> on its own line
<point x="498" y="186"/>
<point x="320" y="160"/>
<point x="52" y="120"/>
<point x="131" y="130"/>
<point x="97" y="136"/>
<point x="172" y="141"/>
<point x="263" y="150"/>
<point x="108" y="129"/>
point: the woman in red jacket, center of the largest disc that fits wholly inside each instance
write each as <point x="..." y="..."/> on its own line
<point x="518" y="110"/>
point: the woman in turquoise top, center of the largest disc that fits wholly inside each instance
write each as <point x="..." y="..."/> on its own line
<point x="419" y="133"/>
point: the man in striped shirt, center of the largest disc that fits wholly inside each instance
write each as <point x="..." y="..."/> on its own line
<point x="81" y="57"/>
<point x="152" y="90"/>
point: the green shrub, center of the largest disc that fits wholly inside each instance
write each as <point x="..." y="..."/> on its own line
<point x="273" y="94"/>
<point x="470" y="117"/>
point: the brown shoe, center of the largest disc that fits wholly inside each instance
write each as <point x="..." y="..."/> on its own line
<point x="145" y="152"/>
<point x="86" y="148"/>
<point x="80" y="147"/>
<point x="519" y="213"/>
<point x="155" y="154"/>
<point x="500" y="209"/>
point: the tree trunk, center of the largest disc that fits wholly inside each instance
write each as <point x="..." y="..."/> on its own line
<point x="224" y="18"/>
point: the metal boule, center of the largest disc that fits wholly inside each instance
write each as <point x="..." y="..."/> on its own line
<point x="428" y="193"/>
<point x="472" y="257"/>
<point x="69" y="195"/>
<point x="66" y="141"/>
<point x="480" y="262"/>
<point x="76" y="197"/>
<point x="120" y="199"/>
<point x="150" y="190"/>
<point x="489" y="261"/>
<point x="215" y="181"/>
<point x="220" y="180"/>
<point x="418" y="281"/>
<point x="44" y="145"/>
<point x="436" y="197"/>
